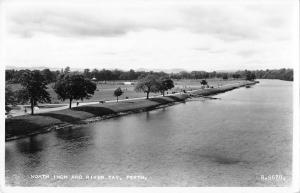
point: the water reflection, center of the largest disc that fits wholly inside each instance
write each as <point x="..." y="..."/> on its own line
<point x="74" y="141"/>
<point x="74" y="134"/>
<point x="150" y="115"/>
<point x="31" y="145"/>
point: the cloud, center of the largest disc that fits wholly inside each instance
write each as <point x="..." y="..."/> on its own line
<point x="88" y="21"/>
<point x="69" y="24"/>
<point x="247" y="53"/>
<point x="275" y="22"/>
<point x="227" y="23"/>
<point x="202" y="49"/>
<point x="218" y="51"/>
<point x="210" y="50"/>
<point x="203" y="36"/>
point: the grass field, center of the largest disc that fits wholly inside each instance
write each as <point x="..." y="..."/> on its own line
<point x="105" y="91"/>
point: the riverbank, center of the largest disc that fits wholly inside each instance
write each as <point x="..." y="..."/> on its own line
<point x="27" y="125"/>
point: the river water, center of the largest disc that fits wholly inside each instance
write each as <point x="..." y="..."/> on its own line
<point x="231" y="141"/>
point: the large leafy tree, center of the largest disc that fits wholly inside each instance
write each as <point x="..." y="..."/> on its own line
<point x="165" y="84"/>
<point x="118" y="92"/>
<point x="147" y="84"/>
<point x="74" y="86"/>
<point x="203" y="82"/>
<point x="34" y="89"/>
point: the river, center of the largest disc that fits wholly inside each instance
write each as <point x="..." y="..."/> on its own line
<point x="230" y="141"/>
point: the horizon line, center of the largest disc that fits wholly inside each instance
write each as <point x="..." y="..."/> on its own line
<point x="169" y="70"/>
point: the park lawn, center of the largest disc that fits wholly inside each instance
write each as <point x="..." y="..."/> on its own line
<point x="104" y="91"/>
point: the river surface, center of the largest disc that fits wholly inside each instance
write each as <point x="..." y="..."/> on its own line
<point x="231" y="141"/>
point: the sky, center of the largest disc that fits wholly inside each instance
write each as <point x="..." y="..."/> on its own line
<point x="197" y="35"/>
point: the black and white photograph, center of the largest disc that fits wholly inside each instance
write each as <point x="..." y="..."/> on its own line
<point x="135" y="93"/>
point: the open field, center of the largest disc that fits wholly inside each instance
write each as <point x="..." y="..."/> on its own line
<point x="105" y="91"/>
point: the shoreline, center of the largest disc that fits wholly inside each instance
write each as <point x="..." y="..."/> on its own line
<point x="46" y="122"/>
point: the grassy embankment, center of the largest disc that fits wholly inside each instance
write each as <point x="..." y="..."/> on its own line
<point x="32" y="124"/>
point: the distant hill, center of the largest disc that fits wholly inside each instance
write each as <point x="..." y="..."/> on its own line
<point x="30" y="68"/>
<point x="175" y="70"/>
<point x="39" y="68"/>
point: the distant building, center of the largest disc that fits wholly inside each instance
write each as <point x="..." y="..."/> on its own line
<point x="128" y="83"/>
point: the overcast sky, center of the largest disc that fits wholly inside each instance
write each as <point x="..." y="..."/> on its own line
<point x="150" y="34"/>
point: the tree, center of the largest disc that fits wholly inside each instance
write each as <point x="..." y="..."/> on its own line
<point x="118" y="92"/>
<point x="67" y="70"/>
<point x="147" y="84"/>
<point x="165" y="84"/>
<point x="236" y="75"/>
<point x="34" y="89"/>
<point x="9" y="74"/>
<point x="184" y="74"/>
<point x="49" y="76"/>
<point x="95" y="74"/>
<point x="203" y="82"/>
<point x="74" y="86"/>
<point x="87" y="73"/>
<point x="104" y="75"/>
<point x="250" y="75"/>
<point x="10" y="98"/>
<point x="225" y="76"/>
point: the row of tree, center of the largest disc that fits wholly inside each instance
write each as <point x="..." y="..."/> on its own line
<point x="13" y="76"/>
<point x="69" y="85"/>
<point x="282" y="74"/>
<point x="73" y="86"/>
<point x="106" y="75"/>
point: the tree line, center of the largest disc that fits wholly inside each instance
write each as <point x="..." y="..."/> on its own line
<point x="281" y="74"/>
<point x="13" y="76"/>
<point x="79" y="85"/>
<point x="73" y="86"/>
